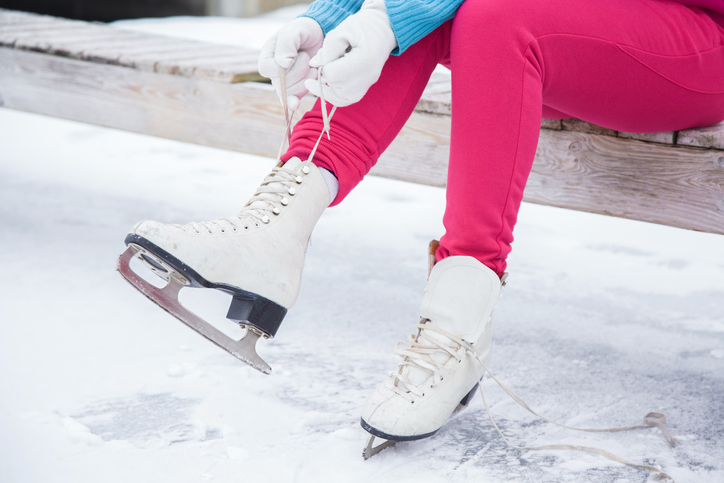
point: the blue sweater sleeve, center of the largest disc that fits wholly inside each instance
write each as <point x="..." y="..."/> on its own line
<point x="330" y="13"/>
<point x="411" y="19"/>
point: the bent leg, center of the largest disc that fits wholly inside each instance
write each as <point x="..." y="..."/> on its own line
<point x="361" y="132"/>
<point x="631" y="65"/>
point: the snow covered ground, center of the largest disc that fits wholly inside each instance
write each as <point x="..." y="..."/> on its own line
<point x="603" y="321"/>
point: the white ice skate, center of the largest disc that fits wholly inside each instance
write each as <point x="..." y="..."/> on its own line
<point x="256" y="256"/>
<point x="439" y="372"/>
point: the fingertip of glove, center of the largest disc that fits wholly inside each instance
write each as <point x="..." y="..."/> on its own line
<point x="293" y="103"/>
<point x="312" y="86"/>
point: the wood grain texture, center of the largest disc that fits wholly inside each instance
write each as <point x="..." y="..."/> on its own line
<point x="437" y="96"/>
<point x="669" y="185"/>
<point x="708" y="137"/>
<point x="576" y="125"/>
<point x="245" y="117"/>
<point x="107" y="45"/>
<point x="154" y="53"/>
<point x="668" y="137"/>
<point x="677" y="186"/>
<point x="556" y="124"/>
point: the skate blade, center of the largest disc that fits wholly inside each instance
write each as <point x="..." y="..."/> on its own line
<point x="369" y="451"/>
<point x="167" y="298"/>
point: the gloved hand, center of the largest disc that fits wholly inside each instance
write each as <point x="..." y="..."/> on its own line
<point x="353" y="55"/>
<point x="291" y="48"/>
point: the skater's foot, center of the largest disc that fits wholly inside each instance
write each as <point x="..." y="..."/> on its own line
<point x="440" y="366"/>
<point x="257" y="256"/>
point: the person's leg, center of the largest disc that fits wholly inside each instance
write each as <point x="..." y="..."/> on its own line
<point x="361" y="132"/>
<point x="636" y="65"/>
<point x="631" y="65"/>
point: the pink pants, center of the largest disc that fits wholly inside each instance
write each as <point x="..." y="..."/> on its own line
<point x="629" y="65"/>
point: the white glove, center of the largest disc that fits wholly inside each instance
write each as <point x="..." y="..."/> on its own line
<point x="353" y="55"/>
<point x="291" y="48"/>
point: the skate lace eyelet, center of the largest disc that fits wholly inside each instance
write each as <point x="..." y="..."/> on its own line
<point x="276" y="210"/>
<point x="246" y="227"/>
<point x="256" y="225"/>
<point x="235" y="229"/>
<point x="285" y="201"/>
<point x="223" y="231"/>
<point x="291" y="191"/>
<point x="197" y="232"/>
<point x="265" y="219"/>
<point x="305" y="169"/>
<point x="298" y="179"/>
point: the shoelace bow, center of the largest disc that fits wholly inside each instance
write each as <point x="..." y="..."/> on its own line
<point x="420" y="353"/>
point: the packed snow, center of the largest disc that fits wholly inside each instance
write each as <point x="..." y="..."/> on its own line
<point x="603" y="320"/>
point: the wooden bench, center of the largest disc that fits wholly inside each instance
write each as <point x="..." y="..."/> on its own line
<point x="211" y="94"/>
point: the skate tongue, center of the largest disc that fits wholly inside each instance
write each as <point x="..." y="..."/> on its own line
<point x="293" y="163"/>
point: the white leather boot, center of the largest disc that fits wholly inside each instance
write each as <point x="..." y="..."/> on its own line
<point x="438" y="371"/>
<point x="257" y="255"/>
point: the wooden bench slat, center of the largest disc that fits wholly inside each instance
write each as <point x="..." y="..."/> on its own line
<point x="122" y="81"/>
<point x="668" y="137"/>
<point x="707" y="137"/>
<point x="104" y="44"/>
<point x="600" y="174"/>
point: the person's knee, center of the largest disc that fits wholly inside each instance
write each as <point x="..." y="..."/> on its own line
<point x="500" y="16"/>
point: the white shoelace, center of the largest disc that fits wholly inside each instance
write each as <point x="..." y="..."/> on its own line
<point x="275" y="190"/>
<point x="421" y="352"/>
<point x="288" y="117"/>
<point x="277" y="185"/>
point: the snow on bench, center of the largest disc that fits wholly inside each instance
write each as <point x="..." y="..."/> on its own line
<point x="211" y="94"/>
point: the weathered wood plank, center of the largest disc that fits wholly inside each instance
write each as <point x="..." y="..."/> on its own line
<point x="576" y="125"/>
<point x="14" y="17"/>
<point x="153" y="53"/>
<point x="77" y="46"/>
<point x="556" y="124"/>
<point x="676" y="186"/>
<point x="437" y="97"/>
<point x="673" y="186"/>
<point x="108" y="45"/>
<point x="230" y="116"/>
<point x="244" y="117"/>
<point x="708" y="137"/>
<point x="668" y="137"/>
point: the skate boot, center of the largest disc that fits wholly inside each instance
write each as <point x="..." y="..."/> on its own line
<point x="439" y="371"/>
<point x="256" y="256"/>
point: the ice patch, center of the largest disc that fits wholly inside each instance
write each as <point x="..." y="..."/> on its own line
<point x="146" y="419"/>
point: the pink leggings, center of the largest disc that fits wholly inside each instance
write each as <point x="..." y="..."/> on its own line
<point x="629" y="65"/>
